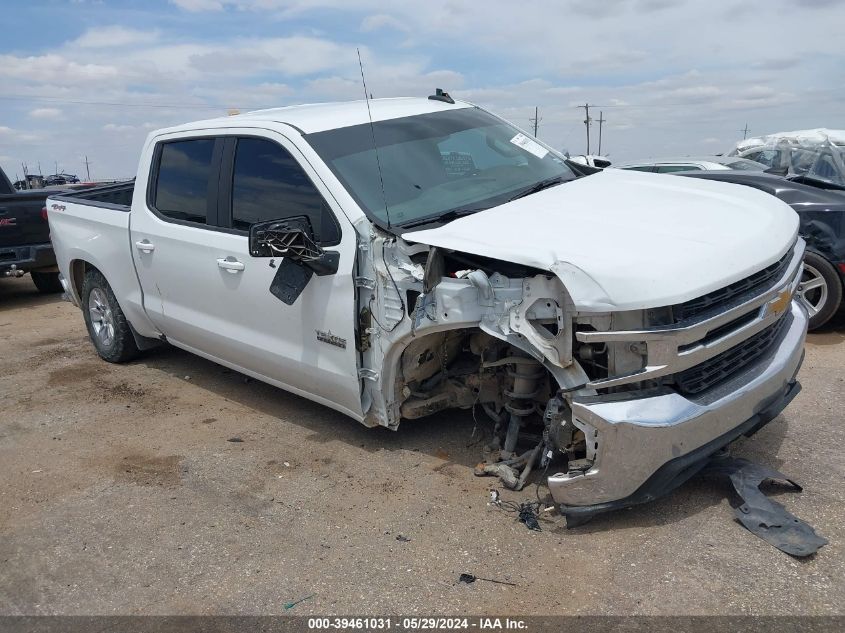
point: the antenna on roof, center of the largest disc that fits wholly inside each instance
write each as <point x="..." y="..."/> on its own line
<point x="373" y="133"/>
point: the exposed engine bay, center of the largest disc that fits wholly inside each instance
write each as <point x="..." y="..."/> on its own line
<point x="445" y="330"/>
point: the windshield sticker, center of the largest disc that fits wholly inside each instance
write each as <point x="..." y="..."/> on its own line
<point x="529" y="145"/>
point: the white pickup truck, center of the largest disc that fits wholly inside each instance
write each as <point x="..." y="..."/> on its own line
<point x="417" y="255"/>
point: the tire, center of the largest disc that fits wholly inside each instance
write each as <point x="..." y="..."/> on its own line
<point x="820" y="290"/>
<point x="107" y="325"/>
<point x="47" y="283"/>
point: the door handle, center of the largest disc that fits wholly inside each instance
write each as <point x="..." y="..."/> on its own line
<point x="230" y="265"/>
<point x="145" y="246"/>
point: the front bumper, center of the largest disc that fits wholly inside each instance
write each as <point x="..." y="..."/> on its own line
<point x="648" y="446"/>
<point x="26" y="258"/>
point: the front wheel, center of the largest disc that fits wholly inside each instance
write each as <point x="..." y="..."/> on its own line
<point x="820" y="289"/>
<point x="47" y="283"/>
<point x="107" y="325"/>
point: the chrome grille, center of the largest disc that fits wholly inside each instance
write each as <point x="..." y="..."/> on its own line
<point x="718" y="298"/>
<point x="711" y="372"/>
<point x="730" y="331"/>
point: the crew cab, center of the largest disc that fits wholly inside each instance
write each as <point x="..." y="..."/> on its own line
<point x="25" y="237"/>
<point x="401" y="257"/>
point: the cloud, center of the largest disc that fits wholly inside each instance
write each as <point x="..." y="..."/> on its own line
<point x="380" y="21"/>
<point x="199" y="5"/>
<point x="116" y="127"/>
<point x="53" y="68"/>
<point x="114" y="36"/>
<point x="46" y="113"/>
<point x="653" y="67"/>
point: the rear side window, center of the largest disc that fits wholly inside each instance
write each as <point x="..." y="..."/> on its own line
<point x="269" y="184"/>
<point x="184" y="171"/>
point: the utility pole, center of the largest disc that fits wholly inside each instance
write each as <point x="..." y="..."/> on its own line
<point x="601" y="121"/>
<point x="745" y="132"/>
<point x="87" y="169"/>
<point x="587" y="122"/>
<point x="536" y="120"/>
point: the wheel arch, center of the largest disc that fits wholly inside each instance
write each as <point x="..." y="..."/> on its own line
<point x="78" y="268"/>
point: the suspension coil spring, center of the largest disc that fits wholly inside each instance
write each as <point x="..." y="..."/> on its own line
<point x="526" y="380"/>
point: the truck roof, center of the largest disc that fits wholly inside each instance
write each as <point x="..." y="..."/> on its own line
<point x="318" y="117"/>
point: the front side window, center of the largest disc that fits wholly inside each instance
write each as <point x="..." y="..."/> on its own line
<point x="460" y="160"/>
<point x="268" y="184"/>
<point x="181" y="185"/>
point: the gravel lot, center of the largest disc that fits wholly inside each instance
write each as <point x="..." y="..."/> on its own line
<point x="122" y="494"/>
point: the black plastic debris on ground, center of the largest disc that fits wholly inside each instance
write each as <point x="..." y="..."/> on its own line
<point x="403" y="539"/>
<point x="528" y="516"/>
<point x="469" y="579"/>
<point x="527" y="511"/>
<point x="234" y="439"/>
<point x="762" y="516"/>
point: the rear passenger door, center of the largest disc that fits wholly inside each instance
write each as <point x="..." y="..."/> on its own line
<point x="173" y="236"/>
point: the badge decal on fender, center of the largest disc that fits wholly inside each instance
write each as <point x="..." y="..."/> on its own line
<point x="331" y="339"/>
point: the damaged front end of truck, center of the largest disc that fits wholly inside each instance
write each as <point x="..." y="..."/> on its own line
<point x="619" y="405"/>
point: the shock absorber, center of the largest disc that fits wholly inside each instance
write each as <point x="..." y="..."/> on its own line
<point x="526" y="375"/>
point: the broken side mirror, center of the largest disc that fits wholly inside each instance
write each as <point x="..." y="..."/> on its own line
<point x="292" y="239"/>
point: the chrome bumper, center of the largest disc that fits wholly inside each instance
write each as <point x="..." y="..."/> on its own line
<point x="636" y="437"/>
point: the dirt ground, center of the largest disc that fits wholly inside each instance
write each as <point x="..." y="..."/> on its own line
<point x="122" y="493"/>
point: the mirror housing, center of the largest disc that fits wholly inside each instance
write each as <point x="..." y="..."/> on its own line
<point x="292" y="239"/>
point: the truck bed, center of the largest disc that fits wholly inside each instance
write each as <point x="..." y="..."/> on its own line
<point x="118" y="197"/>
<point x="92" y="226"/>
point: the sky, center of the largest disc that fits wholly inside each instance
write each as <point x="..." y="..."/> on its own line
<point x="672" y="77"/>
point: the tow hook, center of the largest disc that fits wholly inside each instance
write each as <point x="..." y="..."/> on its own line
<point x="14" y="271"/>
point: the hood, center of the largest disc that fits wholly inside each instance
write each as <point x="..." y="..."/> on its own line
<point x="627" y="240"/>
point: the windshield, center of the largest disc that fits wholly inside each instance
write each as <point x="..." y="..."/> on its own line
<point x="458" y="161"/>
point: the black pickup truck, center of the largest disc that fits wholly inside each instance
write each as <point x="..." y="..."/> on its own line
<point x="25" y="236"/>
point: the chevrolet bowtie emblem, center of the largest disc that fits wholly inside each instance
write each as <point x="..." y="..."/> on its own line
<point x="781" y="302"/>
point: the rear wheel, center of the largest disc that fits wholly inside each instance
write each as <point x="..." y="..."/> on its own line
<point x="47" y="283"/>
<point x="820" y="289"/>
<point x="107" y="325"/>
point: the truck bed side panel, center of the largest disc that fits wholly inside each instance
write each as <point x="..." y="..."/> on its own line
<point x="99" y="235"/>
